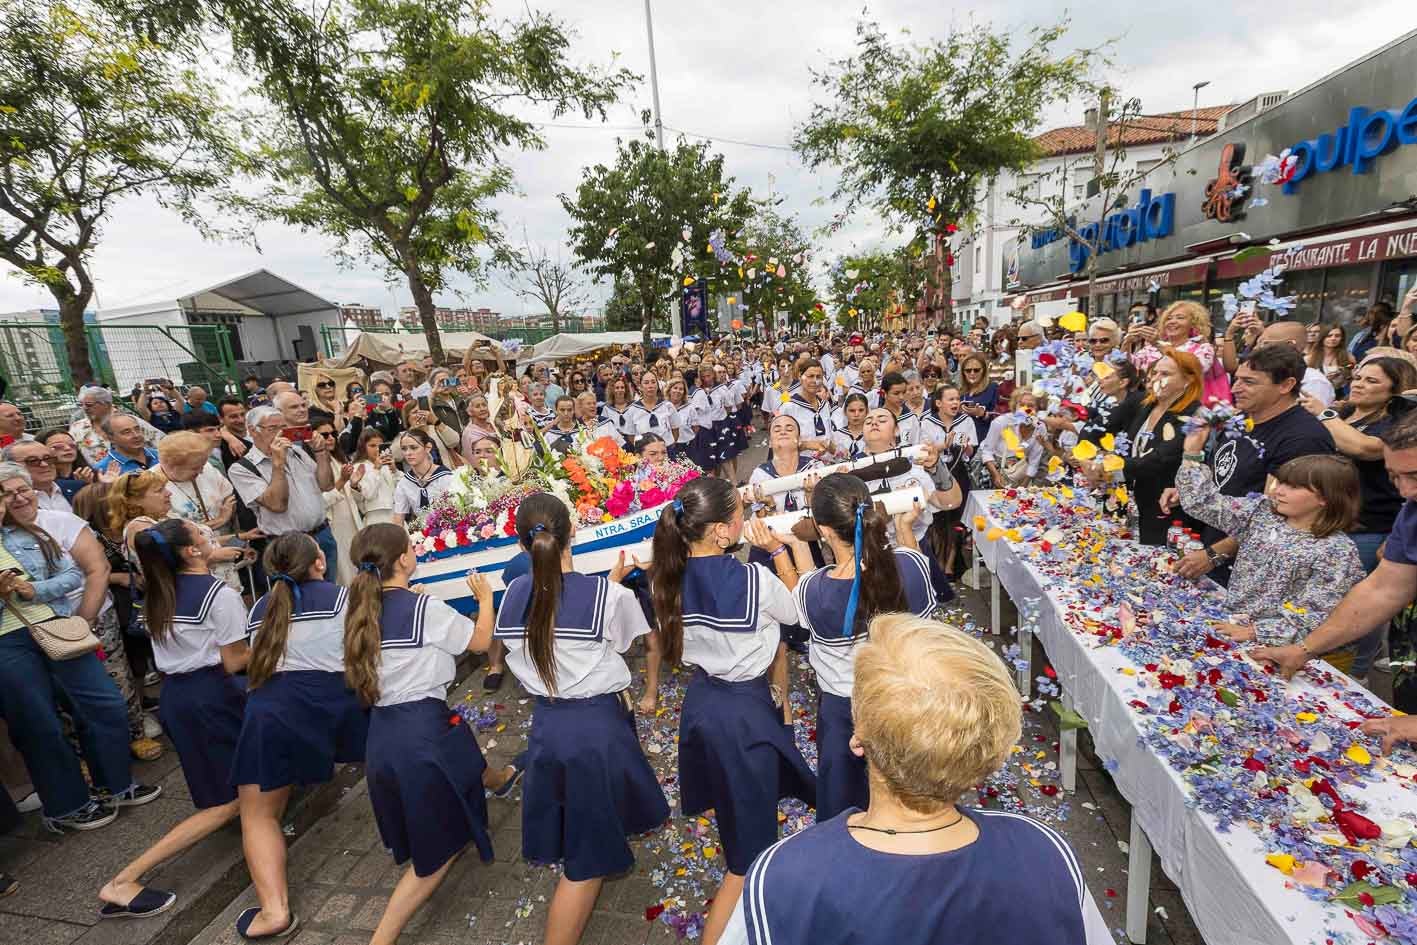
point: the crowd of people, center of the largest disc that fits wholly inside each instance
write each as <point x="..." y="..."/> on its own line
<point x="244" y="568"/>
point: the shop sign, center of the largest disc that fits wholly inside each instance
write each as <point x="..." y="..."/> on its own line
<point x="1366" y="137"/>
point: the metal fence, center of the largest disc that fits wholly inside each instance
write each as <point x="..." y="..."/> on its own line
<point x="34" y="361"/>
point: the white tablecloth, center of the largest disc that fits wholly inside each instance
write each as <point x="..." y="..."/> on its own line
<point x="1234" y="897"/>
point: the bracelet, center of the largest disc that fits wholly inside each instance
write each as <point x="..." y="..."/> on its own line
<point x="1193" y="457"/>
<point x="781" y="549"/>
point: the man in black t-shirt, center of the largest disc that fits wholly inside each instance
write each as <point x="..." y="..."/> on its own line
<point x="1266" y="389"/>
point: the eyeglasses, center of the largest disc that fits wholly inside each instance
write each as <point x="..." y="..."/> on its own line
<point x="21" y="492"/>
<point x="973" y="370"/>
<point x="39" y="461"/>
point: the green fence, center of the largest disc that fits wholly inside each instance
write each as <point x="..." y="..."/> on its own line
<point x="337" y="341"/>
<point x="35" y="361"/>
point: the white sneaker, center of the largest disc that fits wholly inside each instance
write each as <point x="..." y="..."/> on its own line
<point x="30" y="804"/>
<point x="152" y="728"/>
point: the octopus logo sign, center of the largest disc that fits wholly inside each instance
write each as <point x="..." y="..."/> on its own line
<point x="1225" y="194"/>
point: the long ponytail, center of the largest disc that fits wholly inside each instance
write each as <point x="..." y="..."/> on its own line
<point x="159" y="555"/>
<point x="375" y="551"/>
<point x="544" y="529"/>
<point x="842" y="502"/>
<point x="288" y="561"/>
<point x="685" y="520"/>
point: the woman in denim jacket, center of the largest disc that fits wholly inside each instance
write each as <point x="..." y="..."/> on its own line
<point x="37" y="573"/>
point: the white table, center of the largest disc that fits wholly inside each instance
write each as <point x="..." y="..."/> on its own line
<point x="1234" y="897"/>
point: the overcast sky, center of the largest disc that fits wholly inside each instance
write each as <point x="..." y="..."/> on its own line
<point x="739" y="71"/>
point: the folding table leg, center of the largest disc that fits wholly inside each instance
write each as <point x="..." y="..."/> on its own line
<point x="994" y="605"/>
<point x="1068" y="753"/>
<point x="1138" y="884"/>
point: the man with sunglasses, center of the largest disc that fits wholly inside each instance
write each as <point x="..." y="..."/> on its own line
<point x="39" y="463"/>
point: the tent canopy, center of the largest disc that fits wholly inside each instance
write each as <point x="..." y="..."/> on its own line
<point x="265" y="292"/>
<point x="570" y="345"/>
<point x="385" y="349"/>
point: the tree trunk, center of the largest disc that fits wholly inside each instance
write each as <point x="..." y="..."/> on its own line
<point x="939" y="306"/>
<point x="76" y="340"/>
<point x="427" y="311"/>
<point x="646" y="320"/>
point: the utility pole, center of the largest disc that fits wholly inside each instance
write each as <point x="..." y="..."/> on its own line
<point x="676" y="325"/>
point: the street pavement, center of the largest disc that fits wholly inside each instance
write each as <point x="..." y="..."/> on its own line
<point x="341" y="876"/>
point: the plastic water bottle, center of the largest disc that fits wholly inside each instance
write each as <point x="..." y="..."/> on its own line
<point x="1173" y="535"/>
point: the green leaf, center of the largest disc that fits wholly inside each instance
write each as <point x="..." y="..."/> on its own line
<point x="1068" y="720"/>
<point x="1253" y="252"/>
<point x="1228" y="697"/>
<point x="1382" y="895"/>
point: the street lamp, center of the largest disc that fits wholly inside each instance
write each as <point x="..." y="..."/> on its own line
<point x="1195" y="105"/>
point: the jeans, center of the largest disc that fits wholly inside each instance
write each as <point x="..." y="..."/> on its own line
<point x="326" y="540"/>
<point x="30" y="683"/>
<point x="1371" y="645"/>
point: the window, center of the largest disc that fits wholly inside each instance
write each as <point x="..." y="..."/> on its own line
<point x="1144" y="166"/>
<point x="1345" y="297"/>
<point x="978" y="259"/>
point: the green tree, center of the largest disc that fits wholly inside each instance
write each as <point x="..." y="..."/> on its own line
<point x="865" y="288"/>
<point x="90" y="115"/>
<point x="390" y="121"/>
<point x="647" y="219"/>
<point x="770" y="278"/>
<point x="919" y="131"/>
<point x="551" y="282"/>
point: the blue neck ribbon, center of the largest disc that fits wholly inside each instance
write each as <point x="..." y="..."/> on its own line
<point x="294" y="586"/>
<point x="849" y="621"/>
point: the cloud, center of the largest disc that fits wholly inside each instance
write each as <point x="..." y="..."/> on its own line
<point x="740" y="72"/>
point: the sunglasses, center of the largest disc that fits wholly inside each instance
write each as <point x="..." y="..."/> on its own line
<point x="325" y="384"/>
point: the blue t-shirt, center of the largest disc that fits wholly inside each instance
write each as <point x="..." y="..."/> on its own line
<point x="126" y="465"/>
<point x="207" y="405"/>
<point x="1401" y="545"/>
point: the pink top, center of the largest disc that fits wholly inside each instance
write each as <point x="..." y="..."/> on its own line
<point x="1204" y="351"/>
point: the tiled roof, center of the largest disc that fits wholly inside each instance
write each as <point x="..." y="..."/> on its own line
<point x="1147" y="129"/>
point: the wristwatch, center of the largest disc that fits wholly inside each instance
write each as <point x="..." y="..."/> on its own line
<point x="1327" y="415"/>
<point x="1216" y="558"/>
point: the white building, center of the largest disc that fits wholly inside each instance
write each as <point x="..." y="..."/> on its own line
<point x="984" y="271"/>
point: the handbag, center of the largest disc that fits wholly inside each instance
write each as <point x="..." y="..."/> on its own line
<point x="61" y="638"/>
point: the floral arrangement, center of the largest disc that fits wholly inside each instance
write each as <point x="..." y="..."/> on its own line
<point x="1287" y="763"/>
<point x="599" y="482"/>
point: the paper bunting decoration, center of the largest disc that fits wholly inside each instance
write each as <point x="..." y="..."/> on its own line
<point x="688" y="281"/>
<point x="1073" y="321"/>
<point x="1010" y="437"/>
<point x="686" y="233"/>
<point x="733" y="300"/>
<point x="1112" y="463"/>
<point x="781" y="271"/>
<point x="1283" y="862"/>
<point x="1108" y="442"/>
<point x="736" y="324"/>
<point x="649" y="246"/>
<point x="1085" y="450"/>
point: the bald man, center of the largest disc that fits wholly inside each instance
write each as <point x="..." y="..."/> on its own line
<point x="1295" y="334"/>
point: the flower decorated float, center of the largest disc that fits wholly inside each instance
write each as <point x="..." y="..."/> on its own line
<point x="614" y="498"/>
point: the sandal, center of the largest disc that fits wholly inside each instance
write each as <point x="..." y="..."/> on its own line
<point x="244" y="920"/>
<point x="145" y="749"/>
<point x="149" y="902"/>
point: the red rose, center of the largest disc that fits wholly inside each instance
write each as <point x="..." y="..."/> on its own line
<point x="439" y="545"/>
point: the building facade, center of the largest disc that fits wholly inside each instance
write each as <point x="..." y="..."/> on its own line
<point x="1343" y="217"/>
<point x="985" y="271"/>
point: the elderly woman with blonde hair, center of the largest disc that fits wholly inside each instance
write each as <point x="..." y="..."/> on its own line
<point x="200" y="494"/>
<point x="935" y="713"/>
<point x="1184" y="326"/>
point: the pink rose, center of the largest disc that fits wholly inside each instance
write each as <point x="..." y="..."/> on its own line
<point x="652" y="497"/>
<point x="488" y="530"/>
<point x="621" y="498"/>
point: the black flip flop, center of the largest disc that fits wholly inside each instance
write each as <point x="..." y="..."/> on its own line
<point x="506" y="789"/>
<point x="146" y="903"/>
<point x="244" y="920"/>
<point x="492" y="682"/>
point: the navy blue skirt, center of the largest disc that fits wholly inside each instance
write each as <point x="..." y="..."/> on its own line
<point x="298" y="726"/>
<point x="202" y="713"/>
<point x="841" y="776"/>
<point x="587" y="787"/>
<point x="425" y="782"/>
<point x="737" y="758"/>
<point x="699" y="449"/>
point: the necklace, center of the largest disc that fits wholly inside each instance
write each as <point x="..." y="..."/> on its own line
<point x="891" y="832"/>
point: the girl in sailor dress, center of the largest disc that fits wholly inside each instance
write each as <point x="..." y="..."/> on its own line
<point x="812" y="409"/>
<point x="686" y="427"/>
<point x="954" y="432"/>
<point x="425" y="772"/>
<point x="588" y="785"/>
<point x="723" y="617"/>
<point x="725" y="423"/>
<point x="197" y="624"/>
<point x="836" y="605"/>
<point x="422" y="481"/>
<point x="619" y="409"/>
<point x="653" y="414"/>
<point x="742" y="387"/>
<point x="716" y="419"/>
<point x="301" y="718"/>
<point x="701" y="449"/>
<point x="849" y="439"/>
